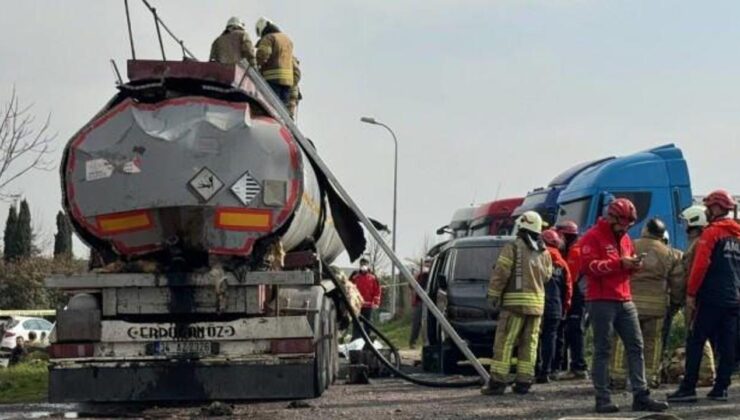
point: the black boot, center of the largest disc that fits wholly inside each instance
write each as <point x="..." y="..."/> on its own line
<point x="493" y="388"/>
<point x="521" y="388"/>
<point x="717" y="394"/>
<point x="643" y="402"/>
<point x="606" y="406"/>
<point x="683" y="394"/>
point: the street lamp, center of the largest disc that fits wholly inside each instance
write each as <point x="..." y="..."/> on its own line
<point x="371" y="120"/>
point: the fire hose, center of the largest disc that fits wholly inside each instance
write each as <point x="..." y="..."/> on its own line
<point x="358" y="321"/>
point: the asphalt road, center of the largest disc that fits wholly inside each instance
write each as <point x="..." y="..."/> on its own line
<point x="396" y="399"/>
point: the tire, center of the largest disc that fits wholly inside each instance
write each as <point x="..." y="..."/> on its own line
<point x="333" y="344"/>
<point x="322" y="361"/>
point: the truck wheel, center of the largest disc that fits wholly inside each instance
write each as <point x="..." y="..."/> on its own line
<point x="333" y="345"/>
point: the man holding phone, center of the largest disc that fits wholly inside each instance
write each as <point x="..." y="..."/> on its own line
<point x="607" y="261"/>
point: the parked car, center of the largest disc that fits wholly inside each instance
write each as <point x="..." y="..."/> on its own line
<point x="458" y="284"/>
<point x="14" y="326"/>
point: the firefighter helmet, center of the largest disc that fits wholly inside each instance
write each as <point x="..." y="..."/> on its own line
<point x="552" y="238"/>
<point x="720" y="198"/>
<point x="531" y="221"/>
<point x="261" y="24"/>
<point x="623" y="210"/>
<point x="235" y="22"/>
<point x="695" y="216"/>
<point x="567" y="227"/>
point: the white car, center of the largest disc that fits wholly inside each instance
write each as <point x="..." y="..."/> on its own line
<point x="20" y="326"/>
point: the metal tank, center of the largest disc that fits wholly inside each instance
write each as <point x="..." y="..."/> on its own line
<point x="165" y="168"/>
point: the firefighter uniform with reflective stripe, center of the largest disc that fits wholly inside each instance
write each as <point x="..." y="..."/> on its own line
<point x="518" y="283"/>
<point x="653" y="288"/>
<point x="706" y="369"/>
<point x="275" y="58"/>
<point x="231" y="47"/>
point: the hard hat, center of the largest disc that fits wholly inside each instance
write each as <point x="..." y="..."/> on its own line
<point x="531" y="221"/>
<point x="655" y="227"/>
<point x="567" y="227"/>
<point x="623" y="210"/>
<point x="552" y="238"/>
<point x="720" y="198"/>
<point x="261" y="24"/>
<point x="695" y="216"/>
<point x="235" y="21"/>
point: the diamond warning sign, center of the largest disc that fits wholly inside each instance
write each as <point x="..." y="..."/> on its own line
<point x="246" y="188"/>
<point x="205" y="184"/>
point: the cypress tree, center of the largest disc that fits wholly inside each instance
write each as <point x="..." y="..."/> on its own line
<point x="24" y="232"/>
<point x="10" y="240"/>
<point x="63" y="237"/>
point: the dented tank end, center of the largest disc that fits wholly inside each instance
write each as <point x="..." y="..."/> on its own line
<point x="188" y="177"/>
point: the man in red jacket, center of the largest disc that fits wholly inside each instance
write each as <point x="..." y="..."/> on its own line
<point x="713" y="295"/>
<point x="607" y="260"/>
<point x="369" y="289"/>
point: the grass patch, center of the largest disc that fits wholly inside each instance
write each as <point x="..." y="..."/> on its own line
<point x="24" y="383"/>
<point x="398" y="331"/>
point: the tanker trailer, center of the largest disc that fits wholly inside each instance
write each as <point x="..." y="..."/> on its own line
<point x="211" y="228"/>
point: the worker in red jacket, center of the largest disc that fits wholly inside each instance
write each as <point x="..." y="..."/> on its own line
<point x="558" y="292"/>
<point x="570" y="356"/>
<point x="713" y="295"/>
<point x="607" y="261"/>
<point x="369" y="288"/>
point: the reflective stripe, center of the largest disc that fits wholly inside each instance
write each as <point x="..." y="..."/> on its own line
<point x="524" y="299"/>
<point x="504" y="262"/>
<point x="278" y="74"/>
<point x="502" y="364"/>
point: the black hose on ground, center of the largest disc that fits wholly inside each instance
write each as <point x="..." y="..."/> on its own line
<point x="396" y="370"/>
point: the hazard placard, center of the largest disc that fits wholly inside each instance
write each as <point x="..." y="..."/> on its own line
<point x="205" y="184"/>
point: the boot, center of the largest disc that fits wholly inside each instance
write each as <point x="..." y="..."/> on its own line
<point x="683" y="394"/>
<point x="606" y="406"/>
<point x="493" y="388"/>
<point x="717" y="394"/>
<point x="521" y="388"/>
<point x="643" y="402"/>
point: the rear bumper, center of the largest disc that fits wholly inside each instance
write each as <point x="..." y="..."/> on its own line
<point x="182" y="381"/>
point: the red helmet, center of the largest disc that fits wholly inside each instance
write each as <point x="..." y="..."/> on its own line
<point x="567" y="227"/>
<point x="623" y="210"/>
<point x="720" y="198"/>
<point x="552" y="238"/>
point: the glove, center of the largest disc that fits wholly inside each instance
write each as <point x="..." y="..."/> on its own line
<point x="494" y="301"/>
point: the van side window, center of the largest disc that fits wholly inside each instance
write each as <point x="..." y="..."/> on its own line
<point x="641" y="200"/>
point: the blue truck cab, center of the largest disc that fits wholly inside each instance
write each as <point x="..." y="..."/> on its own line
<point x="544" y="200"/>
<point x="656" y="181"/>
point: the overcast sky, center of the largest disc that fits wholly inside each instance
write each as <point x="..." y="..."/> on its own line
<point x="484" y="96"/>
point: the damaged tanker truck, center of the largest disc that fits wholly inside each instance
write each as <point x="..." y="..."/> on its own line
<point x="212" y="231"/>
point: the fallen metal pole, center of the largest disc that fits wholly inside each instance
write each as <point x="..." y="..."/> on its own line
<point x="267" y="92"/>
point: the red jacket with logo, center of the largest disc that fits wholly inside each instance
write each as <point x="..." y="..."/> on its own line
<point x="369" y="288"/>
<point x="601" y="253"/>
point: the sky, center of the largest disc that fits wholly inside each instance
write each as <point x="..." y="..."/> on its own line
<point x="485" y="97"/>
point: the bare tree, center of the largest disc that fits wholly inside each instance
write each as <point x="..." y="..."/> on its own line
<point x="24" y="143"/>
<point x="379" y="262"/>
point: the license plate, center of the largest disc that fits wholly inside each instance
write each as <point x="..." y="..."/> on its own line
<point x="182" y="348"/>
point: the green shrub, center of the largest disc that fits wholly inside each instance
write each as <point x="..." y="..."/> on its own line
<point x="24" y="383"/>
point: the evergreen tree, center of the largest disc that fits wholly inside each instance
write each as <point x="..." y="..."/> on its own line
<point x="24" y="232"/>
<point x="10" y="240"/>
<point x="63" y="237"/>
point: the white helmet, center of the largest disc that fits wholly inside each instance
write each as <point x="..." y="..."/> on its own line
<point x="261" y="24"/>
<point x="235" y="22"/>
<point x="529" y="220"/>
<point x="666" y="237"/>
<point x="695" y="216"/>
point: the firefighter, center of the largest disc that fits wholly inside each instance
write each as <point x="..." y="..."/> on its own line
<point x="695" y="218"/>
<point x="517" y="287"/>
<point x="558" y="292"/>
<point x="295" y="92"/>
<point x="661" y="272"/>
<point x="573" y="329"/>
<point x="369" y="288"/>
<point x="275" y="58"/>
<point x="233" y="45"/>
<point x="608" y="260"/>
<point x="714" y="298"/>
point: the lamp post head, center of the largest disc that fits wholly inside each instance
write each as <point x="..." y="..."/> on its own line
<point x="369" y="120"/>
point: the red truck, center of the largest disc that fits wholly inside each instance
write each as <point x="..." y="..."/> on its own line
<point x="494" y="217"/>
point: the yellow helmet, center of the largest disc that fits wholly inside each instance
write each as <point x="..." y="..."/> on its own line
<point x="529" y="220"/>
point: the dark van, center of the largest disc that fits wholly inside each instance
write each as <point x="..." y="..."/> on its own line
<point x="458" y="284"/>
